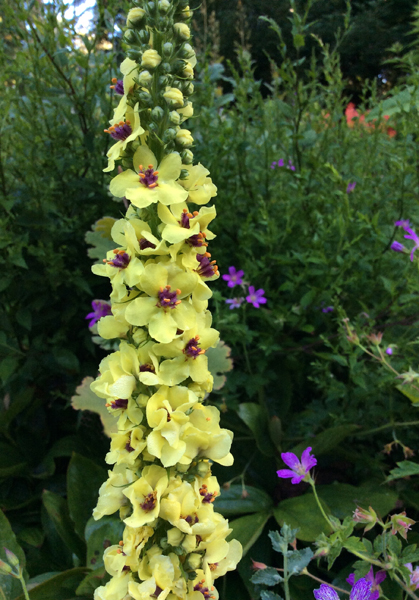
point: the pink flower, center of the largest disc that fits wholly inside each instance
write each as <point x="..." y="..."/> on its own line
<point x="298" y="470"/>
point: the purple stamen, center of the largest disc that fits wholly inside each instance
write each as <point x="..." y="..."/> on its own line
<point x="147" y="368"/>
<point x="149" y="501"/>
<point x="120" y="132"/>
<point x="119" y="87"/>
<point x="192" y="349"/>
<point x="128" y="447"/>
<point x="157" y="592"/>
<point x="121" y="260"/>
<point x="148" y="177"/>
<point x="191" y="519"/>
<point x="204" y="590"/>
<point x="184" y="219"/>
<point x="146" y="244"/>
<point x="120" y="403"/>
<point x="167" y="299"/>
<point x="197" y="240"/>
<point x="206" y="268"/>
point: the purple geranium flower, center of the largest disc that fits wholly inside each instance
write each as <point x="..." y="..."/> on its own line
<point x="234" y="277"/>
<point x="100" y="309"/>
<point x="235" y="302"/>
<point x="397" y="246"/>
<point x="281" y="162"/>
<point x="411" y="235"/>
<point x="256" y="297"/>
<point x="414" y="575"/>
<point x="328" y="309"/>
<point x="360" y="591"/>
<point x="298" y="470"/>
<point x="351" y="187"/>
<point x="389" y="350"/>
<point x="373" y="580"/>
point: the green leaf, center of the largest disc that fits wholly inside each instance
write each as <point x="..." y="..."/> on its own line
<point x="231" y="502"/>
<point x="58" y="587"/>
<point x="9" y="585"/>
<point x="92" y="581"/>
<point x="57" y="509"/>
<point x="247" y="529"/>
<point x="84" y="478"/>
<point x="268" y="576"/>
<point x="405" y="468"/>
<point x="256" y="419"/>
<point x="298" y="40"/>
<point x="67" y="359"/>
<point x="303" y="513"/>
<point x="100" y="238"/>
<point x="326" y="441"/>
<point x="34" y="536"/>
<point x="343" y="498"/>
<point x="354" y="544"/>
<point x="219" y="362"/>
<point x="11" y="460"/>
<point x="268" y="595"/>
<point x="99" y="536"/>
<point x="85" y="399"/>
<point x="394" y="544"/>
<point x="280" y="541"/>
<point x="298" y="560"/>
<point x="410" y="554"/>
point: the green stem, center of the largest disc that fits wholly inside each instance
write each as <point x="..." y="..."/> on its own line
<point x="405" y="587"/>
<point x="286" y="586"/>
<point x="23" y="584"/>
<point x="387" y="426"/>
<point x="313" y="485"/>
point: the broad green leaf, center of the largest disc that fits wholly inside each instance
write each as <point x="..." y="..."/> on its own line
<point x="219" y="362"/>
<point x="268" y="576"/>
<point x="34" y="536"/>
<point x="92" y="581"/>
<point x="11" y="460"/>
<point x="99" y="536"/>
<point x="231" y="501"/>
<point x="57" y="509"/>
<point x="85" y="399"/>
<point x="326" y="441"/>
<point x="100" y="238"/>
<point x="342" y="498"/>
<point x="247" y="529"/>
<point x="298" y="560"/>
<point x="405" y="468"/>
<point x="84" y="478"/>
<point x="268" y="595"/>
<point x="58" y="587"/>
<point x="303" y="513"/>
<point x="9" y="585"/>
<point x="256" y="419"/>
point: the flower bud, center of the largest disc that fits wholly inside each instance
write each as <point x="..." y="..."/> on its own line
<point x="188" y="88"/>
<point x="365" y="516"/>
<point x="174" y="536"/>
<point x="173" y="97"/>
<point x="167" y="49"/>
<point x="186" y="13"/>
<point x="151" y="6"/>
<point x="129" y="36"/>
<point x="188" y="71"/>
<point x="169" y="135"/>
<point x="133" y="54"/>
<point x="174" y="117"/>
<point x="194" y="561"/>
<point x="144" y="78"/>
<point x="203" y="468"/>
<point x="186" y="111"/>
<point x="157" y="113"/>
<point x="184" y="138"/>
<point x="257" y="566"/>
<point x="187" y="51"/>
<point x="135" y="16"/>
<point x="144" y="36"/>
<point x="145" y="97"/>
<point x="11" y="557"/>
<point x="187" y="157"/>
<point x="164" y="81"/>
<point x="182" y="30"/>
<point x="401" y="524"/>
<point x="166" y="68"/>
<point x="151" y="59"/>
<point x="5" y="569"/>
<point x="164" y="6"/>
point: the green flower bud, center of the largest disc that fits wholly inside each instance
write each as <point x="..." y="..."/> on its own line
<point x="129" y="36"/>
<point x="133" y="54"/>
<point x="165" y="67"/>
<point x="174" y="117"/>
<point x="184" y="138"/>
<point x="5" y="569"/>
<point x="182" y="30"/>
<point x="135" y="16"/>
<point x="169" y="135"/>
<point x="153" y="127"/>
<point x="165" y="80"/>
<point x="151" y="6"/>
<point x="187" y="88"/>
<point x="203" y="468"/>
<point x="151" y="59"/>
<point x="157" y="113"/>
<point x="167" y="49"/>
<point x="145" y="98"/>
<point x="173" y="97"/>
<point x="187" y="157"/>
<point x="144" y="36"/>
<point x="144" y="78"/>
<point x="188" y="71"/>
<point x="164" y="6"/>
<point x="11" y="557"/>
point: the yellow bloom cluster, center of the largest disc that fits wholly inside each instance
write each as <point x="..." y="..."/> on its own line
<point x="174" y="543"/>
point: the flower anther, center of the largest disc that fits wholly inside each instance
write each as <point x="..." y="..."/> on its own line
<point x="121" y="260"/>
<point x="120" y="132"/>
<point x="167" y="298"/>
<point x="149" y="501"/>
<point x="192" y="349"/>
<point x="148" y="177"/>
<point x="206" y="267"/>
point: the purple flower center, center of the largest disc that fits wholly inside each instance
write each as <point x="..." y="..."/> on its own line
<point x="120" y="403"/>
<point x="157" y="592"/>
<point x="191" y="519"/>
<point x="147" y="369"/>
<point x="206" y="495"/>
<point x="121" y="260"/>
<point x="166" y="298"/>
<point x="192" y="349"/>
<point x="204" y="590"/>
<point x="146" y="244"/>
<point x="118" y="86"/>
<point x="149" y="501"/>
<point x="128" y="447"/>
<point x="197" y="240"/>
<point x="148" y="177"/>
<point x="120" y="132"/>
<point x="184" y="219"/>
<point x="206" y="267"/>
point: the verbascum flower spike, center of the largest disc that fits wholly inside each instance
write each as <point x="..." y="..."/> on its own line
<point x="174" y="543"/>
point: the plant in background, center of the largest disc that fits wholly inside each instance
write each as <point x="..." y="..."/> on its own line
<point x="174" y="543"/>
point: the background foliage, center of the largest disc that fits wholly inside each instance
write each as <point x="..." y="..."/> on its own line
<point x="298" y="234"/>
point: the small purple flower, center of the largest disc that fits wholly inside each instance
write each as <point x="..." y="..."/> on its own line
<point x="360" y="591"/>
<point x="328" y="309"/>
<point x="411" y="235"/>
<point x="235" y="302"/>
<point x="351" y="187"/>
<point x="397" y="246"/>
<point x="234" y="277"/>
<point x="281" y="162"/>
<point x="298" y="470"/>
<point x="255" y="297"/>
<point x="373" y="580"/>
<point x="273" y="165"/>
<point x="389" y="351"/>
<point x="100" y="309"/>
<point x="290" y="166"/>
<point x="414" y="575"/>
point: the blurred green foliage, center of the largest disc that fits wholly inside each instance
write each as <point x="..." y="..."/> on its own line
<point x="298" y="234"/>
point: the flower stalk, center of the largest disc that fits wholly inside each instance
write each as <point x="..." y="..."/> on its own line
<point x="174" y="543"/>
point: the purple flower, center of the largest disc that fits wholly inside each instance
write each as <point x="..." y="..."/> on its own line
<point x="360" y="591"/>
<point x="397" y="246"/>
<point x="351" y="187"/>
<point x="373" y="580"/>
<point x="290" y="166"/>
<point x="255" y="298"/>
<point x="298" y="470"/>
<point x="414" y="575"/>
<point x="411" y="235"/>
<point x="281" y="162"/>
<point x="273" y="165"/>
<point x="235" y="302"/>
<point x="234" y="277"/>
<point x="389" y="350"/>
<point x="100" y="309"/>
<point x="328" y="309"/>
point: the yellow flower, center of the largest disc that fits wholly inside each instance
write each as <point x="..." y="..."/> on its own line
<point x="129" y="69"/>
<point x="199" y="186"/>
<point x="111" y="496"/>
<point x="204" y="437"/>
<point x="173" y="97"/>
<point x="124" y="132"/>
<point x="126" y="446"/>
<point x="180" y="505"/>
<point x="150" y="59"/>
<point x="135" y="234"/>
<point x="135" y="16"/>
<point x="162" y="309"/>
<point x="220" y="557"/>
<point x="148" y="184"/>
<point x="202" y="585"/>
<point x="145" y="495"/>
<point x="123" y="269"/>
<point x="115" y="589"/>
<point x="184" y="138"/>
<point x="134" y="540"/>
<point x="182" y="30"/>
